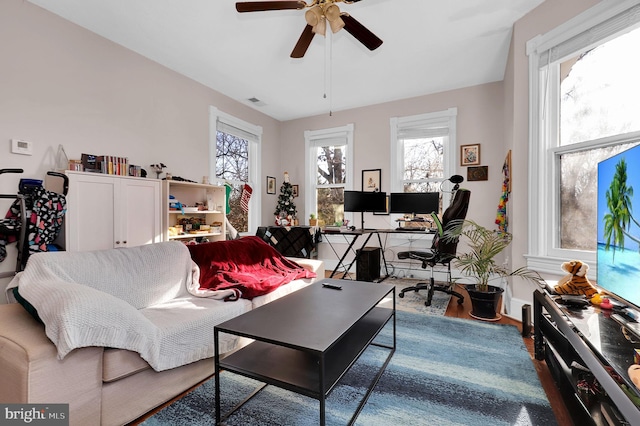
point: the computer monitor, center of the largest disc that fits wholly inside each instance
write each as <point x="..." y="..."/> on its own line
<point x="414" y="202"/>
<point x="360" y="201"/>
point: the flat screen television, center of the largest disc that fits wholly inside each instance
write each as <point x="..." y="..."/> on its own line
<point x="618" y="254"/>
<point x="414" y="202"/>
<point x="360" y="201"/>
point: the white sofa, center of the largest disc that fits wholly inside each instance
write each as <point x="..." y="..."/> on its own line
<point x="103" y="369"/>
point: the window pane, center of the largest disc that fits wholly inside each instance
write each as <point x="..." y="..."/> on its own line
<point x="423" y="158"/>
<point x="600" y="91"/>
<point x="232" y="165"/>
<point x="330" y="205"/>
<point x="332" y="162"/>
<point x="578" y="195"/>
<point x="232" y="158"/>
<point x="422" y="187"/>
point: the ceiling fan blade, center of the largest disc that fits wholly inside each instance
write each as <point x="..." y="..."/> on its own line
<point x="261" y="6"/>
<point x="362" y="34"/>
<point x="303" y="42"/>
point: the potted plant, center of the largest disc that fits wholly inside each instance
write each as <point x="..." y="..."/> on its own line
<point x="479" y="263"/>
<point x="312" y="219"/>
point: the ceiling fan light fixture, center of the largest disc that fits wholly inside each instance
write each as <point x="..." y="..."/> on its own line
<point x="313" y="16"/>
<point x="321" y="28"/>
<point x="332" y="12"/>
<point x="336" y="25"/>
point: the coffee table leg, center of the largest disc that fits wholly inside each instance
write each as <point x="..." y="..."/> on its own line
<point x="217" y="374"/>
<point x="322" y="393"/>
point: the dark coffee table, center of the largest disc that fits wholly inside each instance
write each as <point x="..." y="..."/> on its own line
<point x="306" y="341"/>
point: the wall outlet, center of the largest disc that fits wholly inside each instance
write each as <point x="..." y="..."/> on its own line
<point x="22" y="147"/>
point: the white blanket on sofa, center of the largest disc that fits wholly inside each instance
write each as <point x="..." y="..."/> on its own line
<point x="95" y="299"/>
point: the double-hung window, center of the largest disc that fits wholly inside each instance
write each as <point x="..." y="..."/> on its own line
<point x="329" y="171"/>
<point x="423" y="151"/>
<point x="235" y="161"/>
<point x="584" y="108"/>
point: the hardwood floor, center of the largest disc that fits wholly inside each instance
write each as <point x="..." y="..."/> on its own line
<point x="553" y="394"/>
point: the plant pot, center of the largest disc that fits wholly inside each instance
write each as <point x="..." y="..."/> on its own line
<point x="484" y="304"/>
<point x="313" y="222"/>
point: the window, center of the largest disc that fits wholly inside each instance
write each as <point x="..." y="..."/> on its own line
<point x="329" y="170"/>
<point x="583" y="109"/>
<point x="423" y="151"/>
<point x="234" y="161"/>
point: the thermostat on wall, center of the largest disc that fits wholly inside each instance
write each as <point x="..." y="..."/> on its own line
<point x="21" y="147"/>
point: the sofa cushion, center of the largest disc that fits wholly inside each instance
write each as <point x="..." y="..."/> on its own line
<point x="188" y="322"/>
<point x="120" y="363"/>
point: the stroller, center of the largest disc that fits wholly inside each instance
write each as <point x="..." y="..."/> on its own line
<point x="34" y="219"/>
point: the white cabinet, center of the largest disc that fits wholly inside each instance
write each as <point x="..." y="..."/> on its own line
<point x="212" y="197"/>
<point x="105" y="211"/>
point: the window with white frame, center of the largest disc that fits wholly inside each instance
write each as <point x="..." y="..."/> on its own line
<point x="329" y="171"/>
<point x="585" y="98"/>
<point x="234" y="152"/>
<point x="423" y="152"/>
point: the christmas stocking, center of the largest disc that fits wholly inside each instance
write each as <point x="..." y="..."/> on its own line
<point x="246" y="195"/>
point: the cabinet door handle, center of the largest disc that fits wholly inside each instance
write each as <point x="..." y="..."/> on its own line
<point x="117" y="242"/>
<point x="124" y="242"/>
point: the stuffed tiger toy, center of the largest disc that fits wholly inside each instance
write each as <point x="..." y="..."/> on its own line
<point x="576" y="281"/>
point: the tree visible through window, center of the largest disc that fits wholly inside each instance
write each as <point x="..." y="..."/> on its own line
<point x="599" y="100"/>
<point x="232" y="165"/>
<point x="330" y="183"/>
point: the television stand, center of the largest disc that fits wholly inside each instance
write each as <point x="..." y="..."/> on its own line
<point x="580" y="347"/>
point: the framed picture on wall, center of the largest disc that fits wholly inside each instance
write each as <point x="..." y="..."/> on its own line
<point x="271" y="185"/>
<point x="478" y="173"/>
<point x="296" y="188"/>
<point x="470" y="155"/>
<point x="371" y="180"/>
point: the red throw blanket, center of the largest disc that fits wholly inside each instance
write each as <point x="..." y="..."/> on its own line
<point x="248" y="264"/>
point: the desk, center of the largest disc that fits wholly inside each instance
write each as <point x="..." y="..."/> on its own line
<point x="352" y="236"/>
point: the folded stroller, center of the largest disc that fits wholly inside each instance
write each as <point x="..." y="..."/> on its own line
<point x="34" y="219"/>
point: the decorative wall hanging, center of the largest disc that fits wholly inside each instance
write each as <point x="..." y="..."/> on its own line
<point x="371" y="180"/>
<point x="271" y="185"/>
<point x="470" y="155"/>
<point x="478" y="173"/>
<point x="501" y="216"/>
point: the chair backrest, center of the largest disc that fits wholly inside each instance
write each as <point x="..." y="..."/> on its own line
<point x="456" y="211"/>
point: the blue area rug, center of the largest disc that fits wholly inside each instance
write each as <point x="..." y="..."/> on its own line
<point x="445" y="371"/>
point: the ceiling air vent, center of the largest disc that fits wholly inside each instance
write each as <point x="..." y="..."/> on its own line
<point x="256" y="102"/>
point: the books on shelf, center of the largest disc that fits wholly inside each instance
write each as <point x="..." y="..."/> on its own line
<point x="113" y="165"/>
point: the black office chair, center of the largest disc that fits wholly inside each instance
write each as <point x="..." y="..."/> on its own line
<point x="443" y="251"/>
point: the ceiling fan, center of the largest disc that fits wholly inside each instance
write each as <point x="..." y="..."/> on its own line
<point x="318" y="14"/>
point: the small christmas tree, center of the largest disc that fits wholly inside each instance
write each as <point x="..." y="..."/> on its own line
<point x="285" y="208"/>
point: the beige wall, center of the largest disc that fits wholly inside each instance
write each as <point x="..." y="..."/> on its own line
<point x="480" y="120"/>
<point x="544" y="18"/>
<point x="60" y="84"/>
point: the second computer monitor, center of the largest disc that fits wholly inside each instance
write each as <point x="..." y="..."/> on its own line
<point x="414" y="202"/>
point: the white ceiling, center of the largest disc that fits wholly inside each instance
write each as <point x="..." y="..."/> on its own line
<point x="429" y="46"/>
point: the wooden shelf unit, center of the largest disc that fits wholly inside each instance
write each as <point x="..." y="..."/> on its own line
<point x="189" y="194"/>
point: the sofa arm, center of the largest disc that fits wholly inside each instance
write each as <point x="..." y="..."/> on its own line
<point x="312" y="265"/>
<point x="30" y="371"/>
